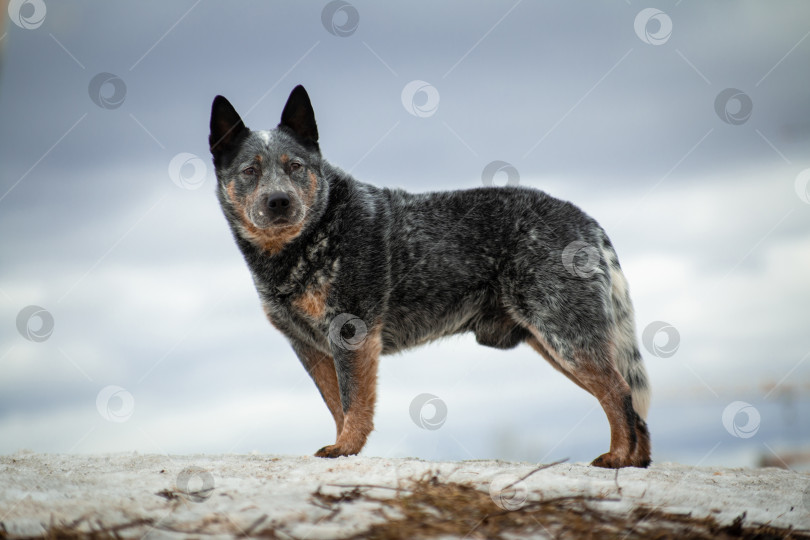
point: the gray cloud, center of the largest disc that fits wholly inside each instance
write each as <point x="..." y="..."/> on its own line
<point x="705" y="215"/>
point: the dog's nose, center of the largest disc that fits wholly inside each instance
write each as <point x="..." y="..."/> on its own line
<point x="277" y="204"/>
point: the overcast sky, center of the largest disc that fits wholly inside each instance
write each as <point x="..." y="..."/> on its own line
<point x="684" y="128"/>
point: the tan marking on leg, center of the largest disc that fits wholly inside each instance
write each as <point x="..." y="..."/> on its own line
<point x="543" y="348"/>
<point x="313" y="302"/>
<point x="322" y="371"/>
<point x="642" y="454"/>
<point x="359" y="419"/>
<point x="613" y="393"/>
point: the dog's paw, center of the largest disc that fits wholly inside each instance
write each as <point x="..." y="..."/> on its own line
<point x="333" y="451"/>
<point x="611" y="461"/>
<point x="641" y="461"/>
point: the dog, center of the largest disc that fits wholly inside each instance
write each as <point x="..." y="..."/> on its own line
<point x="348" y="271"/>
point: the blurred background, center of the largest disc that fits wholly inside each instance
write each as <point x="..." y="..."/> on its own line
<point x="128" y="319"/>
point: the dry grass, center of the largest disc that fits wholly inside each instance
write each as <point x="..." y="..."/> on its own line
<point x="431" y="508"/>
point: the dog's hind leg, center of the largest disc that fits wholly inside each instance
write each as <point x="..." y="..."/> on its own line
<point x="628" y="357"/>
<point x="600" y="378"/>
<point x="580" y="318"/>
<point x="537" y="346"/>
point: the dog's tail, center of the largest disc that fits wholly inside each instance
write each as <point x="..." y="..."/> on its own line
<point x="628" y="358"/>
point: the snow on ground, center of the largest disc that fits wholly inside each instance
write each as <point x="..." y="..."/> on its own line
<point x="159" y="496"/>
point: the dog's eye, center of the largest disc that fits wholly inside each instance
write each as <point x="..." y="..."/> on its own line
<point x="250" y="171"/>
<point x="294" y="166"/>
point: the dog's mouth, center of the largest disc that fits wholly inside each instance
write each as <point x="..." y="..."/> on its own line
<point x="261" y="219"/>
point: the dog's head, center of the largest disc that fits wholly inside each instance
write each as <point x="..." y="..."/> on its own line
<point x="269" y="182"/>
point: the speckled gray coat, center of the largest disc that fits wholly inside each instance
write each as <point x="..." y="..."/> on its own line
<point x="336" y="262"/>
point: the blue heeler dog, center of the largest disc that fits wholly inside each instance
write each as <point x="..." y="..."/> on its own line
<point x="348" y="271"/>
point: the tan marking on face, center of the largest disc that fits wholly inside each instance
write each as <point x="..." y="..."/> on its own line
<point x="230" y="190"/>
<point x="313" y="188"/>
<point x="259" y="158"/>
<point x="270" y="240"/>
<point x="358" y="421"/>
<point x="284" y="159"/>
<point x="312" y="302"/>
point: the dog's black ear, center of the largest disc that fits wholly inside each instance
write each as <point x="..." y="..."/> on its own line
<point x="227" y="130"/>
<point x="299" y="118"/>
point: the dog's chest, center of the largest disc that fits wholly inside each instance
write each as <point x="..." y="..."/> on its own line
<point x="296" y="293"/>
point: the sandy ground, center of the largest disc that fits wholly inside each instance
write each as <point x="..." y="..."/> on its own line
<point x="156" y="496"/>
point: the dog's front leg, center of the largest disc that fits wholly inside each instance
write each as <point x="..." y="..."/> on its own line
<point x="321" y="367"/>
<point x="356" y="362"/>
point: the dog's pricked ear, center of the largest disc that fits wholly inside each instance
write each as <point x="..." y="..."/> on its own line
<point x="299" y="118"/>
<point x="227" y="130"/>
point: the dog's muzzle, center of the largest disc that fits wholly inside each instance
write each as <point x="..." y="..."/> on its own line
<point x="274" y="208"/>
